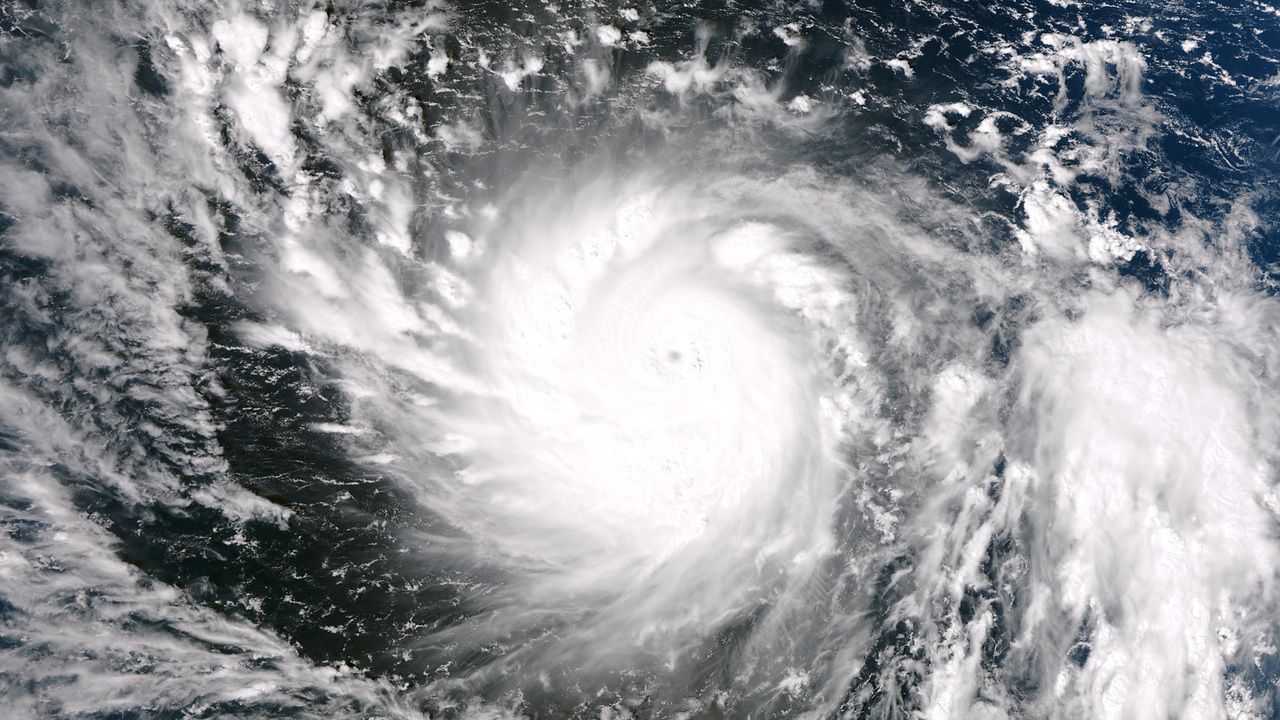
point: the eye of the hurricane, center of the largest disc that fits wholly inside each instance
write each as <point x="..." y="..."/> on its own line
<point x="651" y="414"/>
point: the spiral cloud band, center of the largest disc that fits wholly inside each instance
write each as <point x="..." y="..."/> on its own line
<point x="652" y="427"/>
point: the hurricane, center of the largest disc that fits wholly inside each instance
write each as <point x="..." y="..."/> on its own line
<point x="720" y="359"/>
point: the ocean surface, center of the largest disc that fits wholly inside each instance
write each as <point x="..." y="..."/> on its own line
<point x="787" y="359"/>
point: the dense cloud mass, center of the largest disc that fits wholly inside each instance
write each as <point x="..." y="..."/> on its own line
<point x="572" y="360"/>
